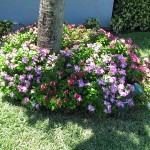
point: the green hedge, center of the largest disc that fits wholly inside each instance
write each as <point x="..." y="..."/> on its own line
<point x="131" y="15"/>
<point x="5" y="27"/>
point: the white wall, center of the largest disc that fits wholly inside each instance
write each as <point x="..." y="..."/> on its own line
<point x="76" y="11"/>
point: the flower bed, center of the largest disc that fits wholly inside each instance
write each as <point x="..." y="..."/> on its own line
<point x="94" y="71"/>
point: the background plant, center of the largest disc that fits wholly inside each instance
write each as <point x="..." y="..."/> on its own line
<point x="92" y="23"/>
<point x="5" y="27"/>
<point x="131" y="15"/>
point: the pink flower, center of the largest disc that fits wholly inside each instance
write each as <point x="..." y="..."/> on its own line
<point x="133" y="66"/>
<point x="112" y="45"/>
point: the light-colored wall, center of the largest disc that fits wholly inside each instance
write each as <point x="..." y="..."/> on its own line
<point x="76" y="11"/>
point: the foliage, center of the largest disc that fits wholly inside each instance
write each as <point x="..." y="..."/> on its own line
<point x="92" y="23"/>
<point x="5" y="27"/>
<point x="131" y="15"/>
<point x="94" y="71"/>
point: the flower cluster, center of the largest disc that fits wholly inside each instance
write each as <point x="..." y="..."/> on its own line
<point x="94" y="71"/>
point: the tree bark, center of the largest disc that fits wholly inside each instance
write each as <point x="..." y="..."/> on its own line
<point x="50" y="24"/>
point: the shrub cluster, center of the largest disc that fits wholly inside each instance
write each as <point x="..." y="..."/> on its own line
<point x="92" y="23"/>
<point x="93" y="71"/>
<point x="5" y="27"/>
<point x="131" y="15"/>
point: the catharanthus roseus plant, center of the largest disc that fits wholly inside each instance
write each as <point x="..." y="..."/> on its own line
<point x="94" y="71"/>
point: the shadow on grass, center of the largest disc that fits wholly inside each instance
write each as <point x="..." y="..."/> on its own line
<point x="108" y="134"/>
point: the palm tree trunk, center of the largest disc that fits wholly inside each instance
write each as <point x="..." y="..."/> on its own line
<point x="50" y="24"/>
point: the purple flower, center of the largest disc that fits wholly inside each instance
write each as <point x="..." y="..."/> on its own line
<point x="30" y="76"/>
<point x="25" y="60"/>
<point x="113" y="88"/>
<point x="123" y="65"/>
<point x="75" y="47"/>
<point x="11" y="83"/>
<point x="122" y="72"/>
<point x="131" y="87"/>
<point x="76" y="68"/>
<point x="52" y="58"/>
<point x="122" y="80"/>
<point x="120" y="104"/>
<point x="28" y="68"/>
<point x="101" y="82"/>
<point x="81" y="83"/>
<point x="26" y="100"/>
<point x="107" y="111"/>
<point x="91" y="108"/>
<point x="8" y="78"/>
<point x="43" y="58"/>
<point x="113" y="70"/>
<point x="27" y="83"/>
<point x="22" y="89"/>
<point x="69" y="65"/>
<point x="22" y="77"/>
<point x="37" y="106"/>
<point x="130" y="102"/>
<point x="38" y="69"/>
<point x="69" y="53"/>
<point x="88" y="68"/>
<point x="99" y="70"/>
<point x="35" y="58"/>
<point x="38" y="79"/>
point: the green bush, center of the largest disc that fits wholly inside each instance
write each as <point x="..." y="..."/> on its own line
<point x="131" y="15"/>
<point x="92" y="23"/>
<point x="5" y="27"/>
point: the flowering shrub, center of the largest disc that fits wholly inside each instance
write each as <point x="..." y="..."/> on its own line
<point x="94" y="71"/>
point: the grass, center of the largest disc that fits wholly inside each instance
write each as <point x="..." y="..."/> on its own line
<point x="23" y="129"/>
<point x="142" y="39"/>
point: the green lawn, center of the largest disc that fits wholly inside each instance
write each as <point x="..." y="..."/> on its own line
<point x="23" y="129"/>
<point x="142" y="39"/>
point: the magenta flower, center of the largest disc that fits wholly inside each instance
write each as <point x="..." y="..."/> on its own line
<point x="75" y="47"/>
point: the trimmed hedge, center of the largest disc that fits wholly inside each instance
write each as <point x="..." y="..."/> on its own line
<point x="5" y="27"/>
<point x="131" y="15"/>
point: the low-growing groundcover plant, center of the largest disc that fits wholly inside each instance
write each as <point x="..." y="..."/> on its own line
<point x="94" y="71"/>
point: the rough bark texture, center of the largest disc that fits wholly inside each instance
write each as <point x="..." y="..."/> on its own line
<point x="50" y="24"/>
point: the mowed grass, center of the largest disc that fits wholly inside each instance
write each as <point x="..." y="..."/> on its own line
<point x="23" y="129"/>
